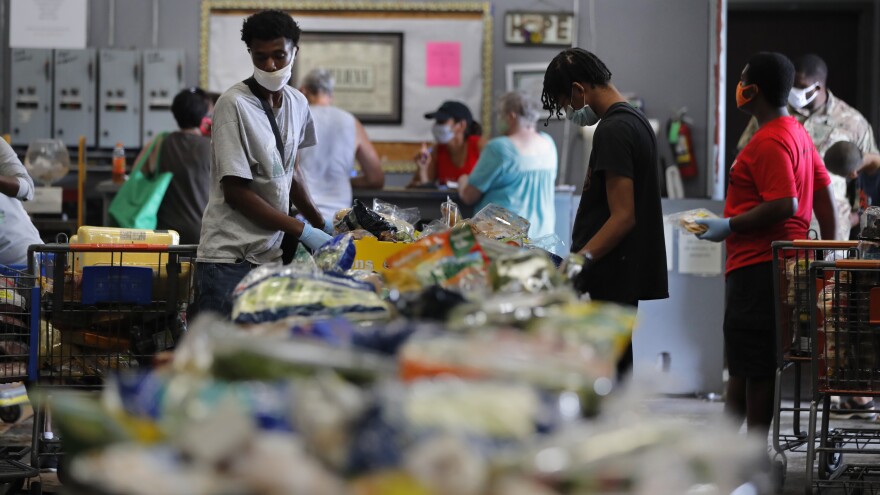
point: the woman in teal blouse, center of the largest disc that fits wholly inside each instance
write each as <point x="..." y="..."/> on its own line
<point x="516" y="170"/>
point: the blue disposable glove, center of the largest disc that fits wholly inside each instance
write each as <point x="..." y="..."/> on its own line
<point x="719" y="229"/>
<point x="313" y="238"/>
<point x="328" y="226"/>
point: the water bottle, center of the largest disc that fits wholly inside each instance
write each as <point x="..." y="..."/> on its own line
<point x="119" y="164"/>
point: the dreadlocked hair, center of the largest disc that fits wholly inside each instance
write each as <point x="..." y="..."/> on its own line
<point x="571" y="66"/>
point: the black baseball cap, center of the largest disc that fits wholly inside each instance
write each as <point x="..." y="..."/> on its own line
<point x="451" y="110"/>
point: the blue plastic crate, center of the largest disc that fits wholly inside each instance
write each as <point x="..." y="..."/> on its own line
<point x="117" y="284"/>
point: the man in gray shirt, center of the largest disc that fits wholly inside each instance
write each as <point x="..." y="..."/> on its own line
<point x="254" y="186"/>
<point x="17" y="232"/>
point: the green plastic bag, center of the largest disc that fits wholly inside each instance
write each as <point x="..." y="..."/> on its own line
<point x="137" y="202"/>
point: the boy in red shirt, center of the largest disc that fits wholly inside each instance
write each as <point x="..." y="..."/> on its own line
<point x="776" y="182"/>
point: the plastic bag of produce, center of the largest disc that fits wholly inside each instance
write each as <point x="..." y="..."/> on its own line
<point x="310" y="296"/>
<point x="408" y="215"/>
<point x="466" y="275"/>
<point x="336" y="255"/>
<point x="499" y="223"/>
<point x="525" y="271"/>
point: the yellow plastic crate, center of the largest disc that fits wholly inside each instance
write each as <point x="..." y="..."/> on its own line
<point x="111" y="235"/>
<point x="372" y="253"/>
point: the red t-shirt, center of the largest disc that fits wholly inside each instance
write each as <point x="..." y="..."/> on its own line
<point x="779" y="162"/>
<point x="447" y="171"/>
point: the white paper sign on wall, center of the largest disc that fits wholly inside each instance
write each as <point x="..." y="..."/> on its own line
<point x="48" y="23"/>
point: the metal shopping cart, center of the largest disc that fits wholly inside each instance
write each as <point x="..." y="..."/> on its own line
<point x="792" y="286"/>
<point x="103" y="308"/>
<point x="17" y="293"/>
<point x="845" y="316"/>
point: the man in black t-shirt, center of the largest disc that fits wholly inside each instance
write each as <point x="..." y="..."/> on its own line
<point x="619" y="223"/>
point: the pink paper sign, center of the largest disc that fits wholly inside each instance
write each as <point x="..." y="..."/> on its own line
<point x="443" y="64"/>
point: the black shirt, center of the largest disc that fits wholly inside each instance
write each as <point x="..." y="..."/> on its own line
<point x="188" y="157"/>
<point x="624" y="143"/>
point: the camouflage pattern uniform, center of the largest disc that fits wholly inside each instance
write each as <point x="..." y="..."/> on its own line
<point x="836" y="121"/>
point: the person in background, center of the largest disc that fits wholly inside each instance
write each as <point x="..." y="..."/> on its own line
<point x="828" y="119"/>
<point x="516" y="170"/>
<point x="843" y="161"/>
<point x="329" y="165"/>
<point x="457" y="147"/>
<point x="252" y="189"/>
<point x="17" y="232"/>
<point x="776" y="182"/>
<point x="186" y="153"/>
<point x="619" y="222"/>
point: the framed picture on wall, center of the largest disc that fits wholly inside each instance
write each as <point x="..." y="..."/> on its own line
<point x="538" y="28"/>
<point x="528" y="78"/>
<point x="366" y="66"/>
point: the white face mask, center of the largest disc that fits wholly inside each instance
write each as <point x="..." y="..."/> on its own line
<point x="798" y="98"/>
<point x="442" y="133"/>
<point x="274" y="81"/>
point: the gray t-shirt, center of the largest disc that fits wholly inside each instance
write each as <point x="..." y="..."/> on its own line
<point x="243" y="145"/>
<point x="17" y="232"/>
<point x="327" y="167"/>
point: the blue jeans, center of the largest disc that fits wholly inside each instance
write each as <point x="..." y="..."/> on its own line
<point x="215" y="283"/>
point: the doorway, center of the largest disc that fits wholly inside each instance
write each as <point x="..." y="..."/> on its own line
<point x="839" y="32"/>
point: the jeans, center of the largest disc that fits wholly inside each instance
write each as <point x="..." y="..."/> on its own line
<point x="215" y="283"/>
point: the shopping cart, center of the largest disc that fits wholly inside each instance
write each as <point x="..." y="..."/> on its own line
<point x="845" y="316"/>
<point x="102" y="309"/>
<point x="17" y="292"/>
<point x="792" y="286"/>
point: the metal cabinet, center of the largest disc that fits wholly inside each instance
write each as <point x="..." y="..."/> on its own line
<point x="31" y="95"/>
<point x="119" y="98"/>
<point x="163" y="78"/>
<point x="74" y="112"/>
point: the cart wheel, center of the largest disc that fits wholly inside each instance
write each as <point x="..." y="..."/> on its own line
<point x="778" y="476"/>
<point x="63" y="476"/>
<point x="829" y="462"/>
<point x="11" y="487"/>
<point x="10" y="414"/>
<point x="36" y="488"/>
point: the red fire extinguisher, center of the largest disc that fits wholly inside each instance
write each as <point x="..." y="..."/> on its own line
<point x="681" y="141"/>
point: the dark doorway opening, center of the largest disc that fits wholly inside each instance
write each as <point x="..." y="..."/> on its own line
<point x="839" y="32"/>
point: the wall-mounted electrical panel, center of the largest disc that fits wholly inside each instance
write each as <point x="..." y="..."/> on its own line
<point x="119" y="98"/>
<point x="74" y="113"/>
<point x="163" y="79"/>
<point x="30" y="115"/>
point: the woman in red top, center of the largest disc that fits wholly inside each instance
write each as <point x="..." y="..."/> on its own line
<point x="458" y="144"/>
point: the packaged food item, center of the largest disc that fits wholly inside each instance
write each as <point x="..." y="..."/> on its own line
<point x="403" y="273"/>
<point x="336" y="255"/>
<point x="525" y="271"/>
<point x="499" y="223"/>
<point x="466" y="275"/>
<point x="383" y="226"/>
<point x="408" y="215"/>
<point x="308" y="295"/>
<point x="450" y="213"/>
<point x="687" y="220"/>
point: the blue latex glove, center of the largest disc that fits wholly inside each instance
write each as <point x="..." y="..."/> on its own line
<point x="719" y="229"/>
<point x="313" y="238"/>
<point x="328" y="226"/>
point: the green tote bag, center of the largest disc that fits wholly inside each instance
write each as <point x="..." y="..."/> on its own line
<point x="137" y="202"/>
